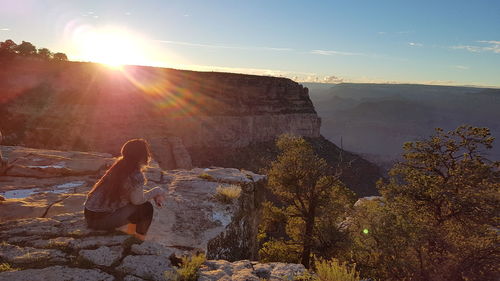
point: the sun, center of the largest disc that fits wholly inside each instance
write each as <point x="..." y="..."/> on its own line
<point x="111" y="46"/>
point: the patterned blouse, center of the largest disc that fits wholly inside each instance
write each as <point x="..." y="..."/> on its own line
<point x="133" y="194"/>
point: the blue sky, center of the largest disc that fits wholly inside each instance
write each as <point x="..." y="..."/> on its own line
<point x="432" y="42"/>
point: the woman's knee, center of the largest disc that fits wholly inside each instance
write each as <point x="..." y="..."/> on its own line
<point x="147" y="208"/>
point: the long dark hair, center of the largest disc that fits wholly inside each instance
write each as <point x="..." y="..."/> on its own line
<point x="134" y="155"/>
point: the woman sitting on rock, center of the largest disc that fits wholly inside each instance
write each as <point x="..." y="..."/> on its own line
<point x="118" y="197"/>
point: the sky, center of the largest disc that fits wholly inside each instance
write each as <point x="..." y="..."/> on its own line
<point x="446" y="42"/>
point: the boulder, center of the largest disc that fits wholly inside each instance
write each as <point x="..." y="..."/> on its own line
<point x="152" y="248"/>
<point x="105" y="256"/>
<point x="194" y="219"/>
<point x="97" y="241"/>
<point x="145" y="266"/>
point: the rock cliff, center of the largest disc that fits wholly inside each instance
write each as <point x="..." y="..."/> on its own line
<point x="86" y="106"/>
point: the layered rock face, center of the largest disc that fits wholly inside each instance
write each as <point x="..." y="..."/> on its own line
<point x="89" y="107"/>
<point x="46" y="183"/>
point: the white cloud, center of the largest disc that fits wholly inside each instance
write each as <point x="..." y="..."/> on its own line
<point x="223" y="46"/>
<point x="414" y="44"/>
<point x="461" y="67"/>
<point x="472" y="49"/>
<point x="294" y="75"/>
<point x="331" y="52"/>
<point x="490" y="42"/>
<point x="128" y="13"/>
<point x="4" y="29"/>
<point x="394" y="32"/>
<point x="484" y="46"/>
<point x="333" y="79"/>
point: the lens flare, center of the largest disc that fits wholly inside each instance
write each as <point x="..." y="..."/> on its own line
<point x="109" y="45"/>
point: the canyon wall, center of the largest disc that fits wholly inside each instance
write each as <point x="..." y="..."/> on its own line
<point x="90" y="107"/>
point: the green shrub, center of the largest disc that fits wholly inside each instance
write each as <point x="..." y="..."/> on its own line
<point x="226" y="194"/>
<point x="279" y="251"/>
<point x="188" y="271"/>
<point x="333" y="270"/>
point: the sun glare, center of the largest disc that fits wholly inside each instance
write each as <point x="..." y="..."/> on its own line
<point x="113" y="47"/>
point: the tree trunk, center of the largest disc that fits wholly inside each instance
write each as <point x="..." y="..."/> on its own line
<point x="308" y="236"/>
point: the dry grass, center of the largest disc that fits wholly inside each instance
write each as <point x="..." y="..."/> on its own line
<point x="227" y="194"/>
<point x="333" y="270"/>
<point x="7" y="267"/>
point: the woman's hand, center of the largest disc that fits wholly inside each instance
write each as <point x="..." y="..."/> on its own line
<point x="159" y="199"/>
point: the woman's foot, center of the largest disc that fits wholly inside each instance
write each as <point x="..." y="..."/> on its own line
<point x="131" y="228"/>
<point x="140" y="236"/>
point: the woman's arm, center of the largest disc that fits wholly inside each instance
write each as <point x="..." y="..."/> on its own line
<point x="138" y="196"/>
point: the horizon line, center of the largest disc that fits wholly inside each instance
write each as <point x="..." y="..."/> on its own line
<point x="291" y="77"/>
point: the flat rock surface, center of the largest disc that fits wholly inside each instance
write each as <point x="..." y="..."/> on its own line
<point x="62" y="248"/>
<point x="43" y="234"/>
<point x="103" y="255"/>
<point x="45" y="183"/>
<point x="60" y="273"/>
<point x="149" y="267"/>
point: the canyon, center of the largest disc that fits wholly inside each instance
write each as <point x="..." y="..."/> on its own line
<point x="191" y="119"/>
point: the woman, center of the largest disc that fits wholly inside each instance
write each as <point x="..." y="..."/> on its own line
<point x="118" y="197"/>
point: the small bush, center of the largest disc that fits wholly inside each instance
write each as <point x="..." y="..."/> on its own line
<point x="207" y="177"/>
<point x="333" y="270"/>
<point x="188" y="271"/>
<point x="226" y="194"/>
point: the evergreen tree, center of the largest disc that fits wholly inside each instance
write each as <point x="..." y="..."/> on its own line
<point x="438" y="218"/>
<point x="307" y="191"/>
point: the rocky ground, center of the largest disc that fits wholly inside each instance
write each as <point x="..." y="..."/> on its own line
<point x="43" y="235"/>
<point x="62" y="248"/>
<point x="43" y="183"/>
